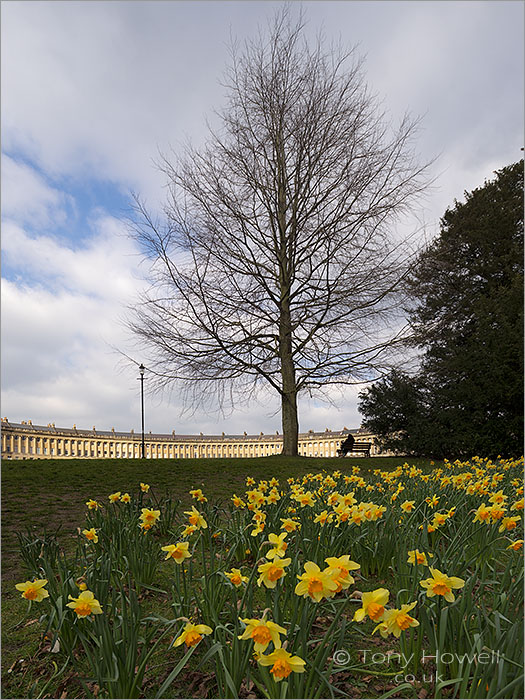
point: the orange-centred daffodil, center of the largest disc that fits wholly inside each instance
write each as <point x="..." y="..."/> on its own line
<point x="236" y="577"/>
<point x="395" y="621"/>
<point x="373" y="605"/>
<point x="262" y="632"/>
<point x="196" y="518"/>
<point x="178" y="551"/>
<point x="114" y="497"/>
<point x="339" y="568"/>
<point x="91" y="535"/>
<point x="407" y="506"/>
<point x="272" y="571"/>
<point x="282" y="663"/>
<point x="33" y="590"/>
<point x="85" y="604"/>
<point x="290" y="525"/>
<point x="144" y="487"/>
<point x="416" y="557"/>
<point x="92" y="504"/>
<point x="192" y="634"/>
<point x="441" y="584"/>
<point x="279" y="545"/>
<point x="315" y="584"/>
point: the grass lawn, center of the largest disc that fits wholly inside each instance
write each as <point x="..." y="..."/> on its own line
<point x="43" y="495"/>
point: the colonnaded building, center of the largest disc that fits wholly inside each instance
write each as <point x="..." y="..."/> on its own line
<point x="27" y="441"/>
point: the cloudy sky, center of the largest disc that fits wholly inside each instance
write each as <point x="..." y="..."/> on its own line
<point x="93" y="91"/>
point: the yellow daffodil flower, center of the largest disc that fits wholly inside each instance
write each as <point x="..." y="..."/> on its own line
<point x="192" y="635"/>
<point x="282" y="663"/>
<point x="324" y="518"/>
<point x="509" y="523"/>
<point x="290" y="525"/>
<point x="178" y="551"/>
<point x="144" y="487"/>
<point x="262" y="632"/>
<point x="516" y="546"/>
<point x="91" y="535"/>
<point x="92" y="504"/>
<point x="416" y="557"/>
<point x="86" y="604"/>
<point x="407" y="506"/>
<point x="236" y="577"/>
<point x="373" y="605"/>
<point x="272" y="571"/>
<point x="279" y="545"/>
<point x="33" y="590"/>
<point x="339" y="568"/>
<point x="125" y="498"/>
<point x="114" y="497"/>
<point x="396" y="621"/>
<point x="196" y="518"/>
<point x="315" y="584"/>
<point x="441" y="584"/>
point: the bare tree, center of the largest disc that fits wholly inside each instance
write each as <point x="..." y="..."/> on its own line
<point x="277" y="263"/>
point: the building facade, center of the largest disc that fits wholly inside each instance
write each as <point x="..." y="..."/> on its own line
<point x="27" y="441"/>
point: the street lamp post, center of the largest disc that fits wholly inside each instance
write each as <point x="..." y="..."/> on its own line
<point x="141" y="369"/>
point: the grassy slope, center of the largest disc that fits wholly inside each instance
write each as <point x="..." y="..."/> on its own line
<point x="45" y="494"/>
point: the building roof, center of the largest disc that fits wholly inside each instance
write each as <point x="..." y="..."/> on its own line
<point x="105" y="434"/>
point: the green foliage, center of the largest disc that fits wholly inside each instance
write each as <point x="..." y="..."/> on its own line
<point x="467" y="314"/>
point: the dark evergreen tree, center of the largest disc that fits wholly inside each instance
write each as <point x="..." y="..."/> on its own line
<point x="467" y="316"/>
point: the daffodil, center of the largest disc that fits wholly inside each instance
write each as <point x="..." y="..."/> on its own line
<point x="196" y="518"/>
<point x="339" y="568"/>
<point x="91" y="535"/>
<point x="125" y="498"/>
<point x="262" y="632"/>
<point x="373" y="605"/>
<point x="416" y="557"/>
<point x="396" y="621"/>
<point x="92" y="504"/>
<point x="189" y="530"/>
<point x="197" y="493"/>
<point x="272" y="571"/>
<point x="178" y="551"/>
<point x="192" y="635"/>
<point x="86" y="604"/>
<point x="306" y="499"/>
<point x="432" y="502"/>
<point x="149" y="517"/>
<point x="509" y="523"/>
<point x="290" y="525"/>
<point x="441" y="584"/>
<point x="279" y="545"/>
<point x="144" y="487"/>
<point x="236" y="577"/>
<point x="114" y="497"/>
<point x="315" y="584"/>
<point x="237" y="501"/>
<point x="516" y="546"/>
<point x="33" y="590"/>
<point x="282" y="663"/>
<point x="407" y="506"/>
<point x="323" y="518"/>
<point x="258" y="529"/>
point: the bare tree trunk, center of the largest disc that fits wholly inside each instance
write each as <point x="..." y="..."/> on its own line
<point x="290" y="421"/>
<point x="290" y="424"/>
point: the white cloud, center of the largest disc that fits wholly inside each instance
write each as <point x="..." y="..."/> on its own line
<point x="28" y="198"/>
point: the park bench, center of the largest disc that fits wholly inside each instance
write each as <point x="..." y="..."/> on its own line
<point x="358" y="448"/>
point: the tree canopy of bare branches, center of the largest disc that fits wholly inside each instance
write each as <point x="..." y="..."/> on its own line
<point x="277" y="262"/>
